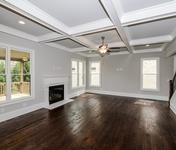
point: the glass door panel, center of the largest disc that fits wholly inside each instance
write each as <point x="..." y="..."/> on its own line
<point x="2" y="74"/>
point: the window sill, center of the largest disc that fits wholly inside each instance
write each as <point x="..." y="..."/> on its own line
<point x="150" y="90"/>
<point x="16" y="101"/>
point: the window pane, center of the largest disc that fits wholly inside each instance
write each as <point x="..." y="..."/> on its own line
<point x="150" y="66"/>
<point x="95" y="74"/>
<point x="2" y="74"/>
<point x="95" y="79"/>
<point x="74" y="74"/>
<point x="95" y="67"/>
<point x="20" y="74"/>
<point x="74" y="80"/>
<point x="150" y="81"/>
<point x="81" y="72"/>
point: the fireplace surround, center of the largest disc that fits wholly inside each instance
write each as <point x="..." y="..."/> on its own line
<point x="58" y="100"/>
<point x="56" y="93"/>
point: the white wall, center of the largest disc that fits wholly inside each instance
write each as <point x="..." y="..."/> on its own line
<point x="51" y="61"/>
<point x="121" y="75"/>
<point x="48" y="61"/>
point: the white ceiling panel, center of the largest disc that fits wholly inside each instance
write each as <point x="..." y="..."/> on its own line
<point x="111" y="36"/>
<point x="68" y="43"/>
<point x="152" y="29"/>
<point x="72" y="12"/>
<point x="11" y="19"/>
<point x="132" y="5"/>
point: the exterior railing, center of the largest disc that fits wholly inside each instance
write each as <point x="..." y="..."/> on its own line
<point x="2" y="89"/>
<point x="17" y="87"/>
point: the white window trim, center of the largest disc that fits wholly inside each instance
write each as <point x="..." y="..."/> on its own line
<point x="84" y="73"/>
<point x="158" y="74"/>
<point x="92" y="61"/>
<point x="8" y="100"/>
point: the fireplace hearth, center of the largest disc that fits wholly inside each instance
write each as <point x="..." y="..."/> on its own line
<point x="56" y="93"/>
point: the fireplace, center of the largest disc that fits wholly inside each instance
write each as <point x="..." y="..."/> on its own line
<point x="56" y="93"/>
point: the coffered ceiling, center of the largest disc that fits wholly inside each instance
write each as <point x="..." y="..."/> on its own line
<point x="77" y="26"/>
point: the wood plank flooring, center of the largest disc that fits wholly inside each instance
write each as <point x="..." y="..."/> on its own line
<point x="94" y="122"/>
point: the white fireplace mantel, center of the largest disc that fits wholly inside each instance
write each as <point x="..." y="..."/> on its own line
<point x="52" y="81"/>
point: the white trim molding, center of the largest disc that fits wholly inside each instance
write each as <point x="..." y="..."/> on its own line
<point x="161" y="11"/>
<point x="77" y="93"/>
<point x="135" y="95"/>
<point x="157" y="73"/>
<point x="19" y="112"/>
<point x="9" y="99"/>
<point x="173" y="108"/>
<point x="17" y="33"/>
<point x="112" y="12"/>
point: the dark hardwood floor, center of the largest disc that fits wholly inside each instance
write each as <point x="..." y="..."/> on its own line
<point x="94" y="122"/>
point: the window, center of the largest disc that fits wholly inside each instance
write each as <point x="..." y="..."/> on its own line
<point x="81" y="74"/>
<point x="2" y="74"/>
<point x="15" y="74"/>
<point x="150" y="73"/>
<point x="78" y="73"/>
<point x="94" y="70"/>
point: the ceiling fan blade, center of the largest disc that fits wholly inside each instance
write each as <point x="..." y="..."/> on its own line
<point x="113" y="51"/>
<point x="114" y="47"/>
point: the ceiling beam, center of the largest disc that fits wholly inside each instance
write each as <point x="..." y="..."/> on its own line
<point x="153" y="13"/>
<point x="50" y="37"/>
<point x="29" y="10"/>
<point x="91" y="26"/>
<point x="151" y="40"/>
<point x="112" y="13"/>
<point x="92" y="31"/>
<point x="54" y="36"/>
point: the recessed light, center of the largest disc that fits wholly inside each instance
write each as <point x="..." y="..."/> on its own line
<point x="21" y="22"/>
<point x="147" y="45"/>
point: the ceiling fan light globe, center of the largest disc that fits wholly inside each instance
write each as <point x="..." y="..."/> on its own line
<point x="103" y="51"/>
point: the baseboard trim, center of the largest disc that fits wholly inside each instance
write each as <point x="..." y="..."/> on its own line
<point x="19" y="112"/>
<point x="77" y="93"/>
<point x="25" y="110"/>
<point x="173" y="108"/>
<point x="144" y="96"/>
<point x="22" y="111"/>
<point x="58" y="104"/>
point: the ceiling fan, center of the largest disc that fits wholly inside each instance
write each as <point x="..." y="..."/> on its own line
<point x="103" y="49"/>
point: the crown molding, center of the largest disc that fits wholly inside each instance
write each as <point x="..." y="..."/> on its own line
<point x="161" y="11"/>
<point x="158" y="39"/>
<point x="49" y="36"/>
<point x="148" y="50"/>
<point x="81" y="49"/>
<point x="31" y="11"/>
<point x="113" y="22"/>
<point x="17" y="33"/>
<point x="169" y="46"/>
